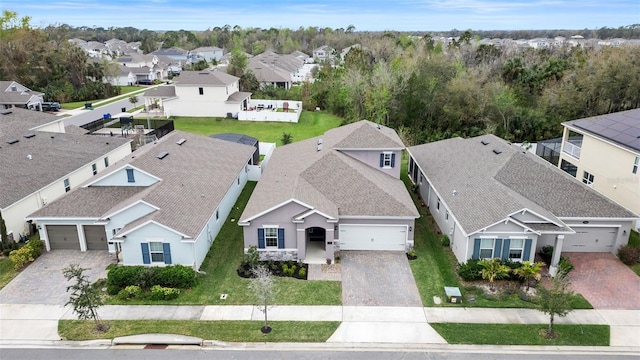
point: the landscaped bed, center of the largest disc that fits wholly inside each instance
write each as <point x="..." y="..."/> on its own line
<point x="232" y="331"/>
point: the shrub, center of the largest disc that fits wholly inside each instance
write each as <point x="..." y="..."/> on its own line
<point x="164" y="293"/>
<point x="122" y="276"/>
<point x="129" y="292"/>
<point x="21" y="257"/>
<point x="146" y="277"/>
<point x="445" y="240"/>
<point x="37" y="245"/>
<point x="302" y="273"/>
<point x="176" y="276"/>
<point x="285" y="269"/>
<point x="470" y="271"/>
<point x="251" y="257"/>
<point x="629" y="254"/>
<point x="113" y="289"/>
<point x="565" y="265"/>
<point x="6" y="252"/>
<point x="546" y="252"/>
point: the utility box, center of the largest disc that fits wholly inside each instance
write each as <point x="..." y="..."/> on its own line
<point x="453" y="294"/>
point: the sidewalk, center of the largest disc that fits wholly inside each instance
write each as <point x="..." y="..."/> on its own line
<point x="359" y="324"/>
<point x="97" y="104"/>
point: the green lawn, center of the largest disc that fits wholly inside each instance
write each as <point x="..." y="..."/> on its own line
<point x="80" y="104"/>
<point x="634" y="240"/>
<point x="312" y="123"/>
<point x="231" y="331"/>
<point x="435" y="266"/>
<point x="522" y="334"/>
<point x="220" y="266"/>
<point x="6" y="271"/>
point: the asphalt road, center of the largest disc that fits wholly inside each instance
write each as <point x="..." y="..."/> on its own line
<point x="87" y="116"/>
<point x="196" y="354"/>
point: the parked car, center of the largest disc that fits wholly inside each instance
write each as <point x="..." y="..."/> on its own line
<point x="145" y="82"/>
<point x="50" y="106"/>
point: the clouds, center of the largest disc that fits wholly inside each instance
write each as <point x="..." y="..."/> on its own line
<point x="375" y="15"/>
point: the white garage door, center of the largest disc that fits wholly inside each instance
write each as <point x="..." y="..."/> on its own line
<point x="590" y="239"/>
<point x="373" y="237"/>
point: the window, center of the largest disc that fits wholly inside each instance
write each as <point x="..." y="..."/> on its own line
<point x="130" y="177"/>
<point x="217" y="215"/>
<point x="587" y="178"/>
<point x="201" y="91"/>
<point x="636" y="164"/>
<point x="238" y="181"/>
<point x="106" y="162"/>
<point x="156" y="250"/>
<point x="94" y="169"/>
<point x="67" y="185"/>
<point x="446" y="216"/>
<point x="568" y="167"/>
<point x="516" y="248"/>
<point x="438" y="204"/>
<point x="271" y="237"/>
<point x="387" y="160"/>
<point x="486" y="248"/>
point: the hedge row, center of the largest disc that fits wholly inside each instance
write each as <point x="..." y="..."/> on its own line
<point x="175" y="276"/>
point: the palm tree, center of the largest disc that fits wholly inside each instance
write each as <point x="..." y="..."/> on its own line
<point x="493" y="269"/>
<point x="529" y="271"/>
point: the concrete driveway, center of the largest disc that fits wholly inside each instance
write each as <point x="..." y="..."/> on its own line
<point x="42" y="281"/>
<point x="605" y="281"/>
<point x="377" y="278"/>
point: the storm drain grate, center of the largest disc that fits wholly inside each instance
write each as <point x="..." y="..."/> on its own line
<point x="156" y="346"/>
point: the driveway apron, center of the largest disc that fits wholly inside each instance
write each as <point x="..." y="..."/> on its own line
<point x="377" y="278"/>
<point x="42" y="282"/>
<point x="604" y="281"/>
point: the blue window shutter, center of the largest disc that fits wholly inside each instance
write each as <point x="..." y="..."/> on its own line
<point x="146" y="259"/>
<point x="476" y="249"/>
<point x="505" y="249"/>
<point x="527" y="250"/>
<point x="260" y="238"/>
<point x="130" y="177"/>
<point x="280" y="238"/>
<point x="381" y="160"/>
<point x="166" y="248"/>
<point x="497" y="248"/>
<point x="393" y="160"/>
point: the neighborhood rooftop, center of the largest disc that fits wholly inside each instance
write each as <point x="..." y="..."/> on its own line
<point x="622" y="127"/>
<point x="314" y="172"/>
<point x="36" y="161"/>
<point x="482" y="186"/>
<point x="204" y="77"/>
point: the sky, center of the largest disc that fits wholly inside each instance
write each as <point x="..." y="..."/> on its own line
<point x="364" y="15"/>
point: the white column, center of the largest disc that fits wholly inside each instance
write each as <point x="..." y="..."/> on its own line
<point x="83" y="239"/>
<point x="555" y="258"/>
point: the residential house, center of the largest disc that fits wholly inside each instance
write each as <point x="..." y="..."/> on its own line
<point x="208" y="54"/>
<point x="175" y="53"/>
<point x="13" y="94"/>
<point x="496" y="200"/>
<point x="163" y="204"/>
<point x="271" y="69"/>
<point x="340" y="191"/>
<point x="41" y="162"/>
<point x="206" y="93"/>
<point x="603" y="152"/>
<point x="324" y="53"/>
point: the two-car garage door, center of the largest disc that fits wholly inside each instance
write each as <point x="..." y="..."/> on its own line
<point x="373" y="237"/>
<point x="65" y="237"/>
<point x="591" y="239"/>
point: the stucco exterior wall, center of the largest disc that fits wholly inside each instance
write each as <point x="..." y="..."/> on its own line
<point x="120" y="178"/>
<point x="280" y="217"/>
<point x="372" y="158"/>
<point x="212" y="103"/>
<point x="181" y="252"/>
<point x="623" y="228"/>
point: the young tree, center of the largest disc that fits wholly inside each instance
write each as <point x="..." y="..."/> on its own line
<point x="265" y="292"/>
<point x="555" y="300"/>
<point x="493" y="269"/>
<point x="3" y="230"/>
<point x="133" y="99"/>
<point x="529" y="271"/>
<point x="85" y="297"/>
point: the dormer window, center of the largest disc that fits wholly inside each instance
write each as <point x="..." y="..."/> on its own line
<point x="387" y="160"/>
<point x="130" y="176"/>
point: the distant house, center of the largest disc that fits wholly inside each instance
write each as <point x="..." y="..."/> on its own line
<point x="208" y="54"/>
<point x="163" y="205"/>
<point x="271" y="69"/>
<point x="13" y="94"/>
<point x="603" y="152"/>
<point x="324" y="53"/>
<point x="206" y="93"/>
<point x="41" y="162"/>
<point x="175" y="53"/>
<point x="339" y="191"/>
<point x="496" y="200"/>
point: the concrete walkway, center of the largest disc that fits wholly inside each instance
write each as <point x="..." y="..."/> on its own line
<point x="359" y="324"/>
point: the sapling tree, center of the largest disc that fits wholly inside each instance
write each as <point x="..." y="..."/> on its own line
<point x="265" y="291"/>
<point x="287" y="138"/>
<point x="492" y="270"/>
<point x="555" y="300"/>
<point x="85" y="297"/>
<point x="529" y="271"/>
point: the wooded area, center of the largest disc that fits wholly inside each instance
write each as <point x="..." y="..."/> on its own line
<point x="422" y="88"/>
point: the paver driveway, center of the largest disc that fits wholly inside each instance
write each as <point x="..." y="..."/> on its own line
<point x="605" y="281"/>
<point x="42" y="281"/>
<point x="378" y="278"/>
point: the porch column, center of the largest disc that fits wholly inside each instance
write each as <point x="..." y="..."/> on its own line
<point x="328" y="242"/>
<point x="301" y="238"/>
<point x="83" y="239"/>
<point x="555" y="258"/>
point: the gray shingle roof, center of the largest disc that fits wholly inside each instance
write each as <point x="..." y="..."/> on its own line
<point x="195" y="177"/>
<point x="166" y="91"/>
<point x="53" y="155"/>
<point x="489" y="187"/>
<point x="330" y="181"/>
<point x="216" y="78"/>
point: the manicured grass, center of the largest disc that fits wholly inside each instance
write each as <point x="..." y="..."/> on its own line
<point x="435" y="266"/>
<point x="80" y="104"/>
<point x="312" y="123"/>
<point x="220" y="266"/>
<point x="6" y="271"/>
<point x="634" y="240"/>
<point x="231" y="331"/>
<point x="523" y="334"/>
